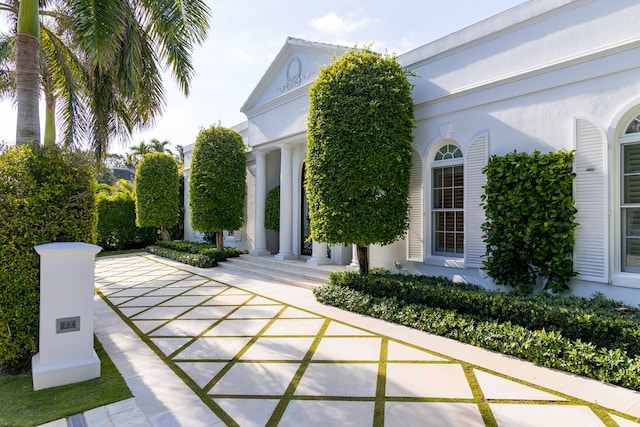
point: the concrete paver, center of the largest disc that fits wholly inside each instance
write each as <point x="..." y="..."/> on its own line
<point x="229" y="349"/>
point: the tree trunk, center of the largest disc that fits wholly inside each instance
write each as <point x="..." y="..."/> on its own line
<point x="165" y="233"/>
<point x="220" y="240"/>
<point x="27" y="76"/>
<point x="363" y="259"/>
<point x="27" y="89"/>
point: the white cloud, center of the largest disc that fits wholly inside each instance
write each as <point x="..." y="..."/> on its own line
<point x="335" y="25"/>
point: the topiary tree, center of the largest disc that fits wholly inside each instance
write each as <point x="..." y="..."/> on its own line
<point x="157" y="192"/>
<point x="46" y="195"/>
<point x="217" y="187"/>
<point x="272" y="209"/>
<point x="359" y="152"/>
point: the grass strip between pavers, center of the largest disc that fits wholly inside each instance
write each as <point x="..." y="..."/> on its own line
<point x="604" y="414"/>
<point x="21" y="406"/>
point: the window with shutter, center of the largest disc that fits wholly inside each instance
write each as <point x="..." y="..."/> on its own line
<point x="415" y="236"/>
<point x="630" y="198"/>
<point x="447" y="202"/>
<point x="590" y="194"/>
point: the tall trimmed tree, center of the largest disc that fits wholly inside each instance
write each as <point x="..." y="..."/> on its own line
<point x="217" y="187"/>
<point x="359" y="152"/>
<point x="157" y="192"/>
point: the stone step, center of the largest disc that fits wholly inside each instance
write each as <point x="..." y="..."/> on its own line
<point x="293" y="272"/>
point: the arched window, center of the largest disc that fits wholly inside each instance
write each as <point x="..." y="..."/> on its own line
<point x="630" y="197"/>
<point x="447" y="202"/>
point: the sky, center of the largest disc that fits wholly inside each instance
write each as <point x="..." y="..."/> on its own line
<point x="246" y="35"/>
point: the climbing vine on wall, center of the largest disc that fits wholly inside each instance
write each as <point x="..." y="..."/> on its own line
<point x="530" y="220"/>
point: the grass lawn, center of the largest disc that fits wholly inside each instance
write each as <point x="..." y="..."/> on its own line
<point x="21" y="406"/>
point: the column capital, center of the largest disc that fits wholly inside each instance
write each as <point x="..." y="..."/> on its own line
<point x="287" y="146"/>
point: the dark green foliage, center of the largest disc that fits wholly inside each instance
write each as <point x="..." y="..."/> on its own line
<point x="197" y="260"/>
<point x="272" y="209"/>
<point x="530" y="222"/>
<point x="194" y="253"/>
<point x="595" y="320"/>
<point x="48" y="195"/>
<point x="359" y="151"/>
<point x="117" y="228"/>
<point x="157" y="192"/>
<point x="548" y="348"/>
<point x="217" y="185"/>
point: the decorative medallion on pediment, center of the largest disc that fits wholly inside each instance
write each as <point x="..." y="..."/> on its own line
<point x="295" y="77"/>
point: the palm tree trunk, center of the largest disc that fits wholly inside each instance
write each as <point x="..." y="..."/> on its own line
<point x="27" y="81"/>
<point x="363" y="259"/>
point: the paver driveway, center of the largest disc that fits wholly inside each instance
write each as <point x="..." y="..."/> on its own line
<point x="261" y="353"/>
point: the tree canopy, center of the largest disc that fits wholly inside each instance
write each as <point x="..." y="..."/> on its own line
<point x="157" y="192"/>
<point x="101" y="61"/>
<point x="217" y="185"/>
<point x="359" y="151"/>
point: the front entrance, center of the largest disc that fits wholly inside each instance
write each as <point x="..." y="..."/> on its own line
<point x="305" y="231"/>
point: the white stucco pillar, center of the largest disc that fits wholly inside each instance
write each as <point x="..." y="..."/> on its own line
<point x="319" y="254"/>
<point x="260" y="199"/>
<point x="65" y="354"/>
<point x="286" y="204"/>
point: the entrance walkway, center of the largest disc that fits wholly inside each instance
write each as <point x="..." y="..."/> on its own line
<point x="205" y="347"/>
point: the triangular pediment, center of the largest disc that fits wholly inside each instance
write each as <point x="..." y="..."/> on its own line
<point x="296" y="65"/>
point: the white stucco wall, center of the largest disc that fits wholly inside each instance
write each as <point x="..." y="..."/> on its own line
<point x="521" y="78"/>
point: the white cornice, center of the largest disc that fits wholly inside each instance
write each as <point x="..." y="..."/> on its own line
<point x="508" y="21"/>
<point x="533" y="71"/>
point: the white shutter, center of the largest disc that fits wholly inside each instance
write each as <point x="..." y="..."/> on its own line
<point x="415" y="234"/>
<point x="475" y="161"/>
<point x="591" y="243"/>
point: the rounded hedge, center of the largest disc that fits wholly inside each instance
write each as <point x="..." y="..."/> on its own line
<point x="217" y="186"/>
<point x="157" y="192"/>
<point x="48" y="195"/>
<point x="359" y="152"/>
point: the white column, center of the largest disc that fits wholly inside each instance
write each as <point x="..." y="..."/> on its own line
<point x="260" y="199"/>
<point x="354" y="257"/>
<point x="286" y="204"/>
<point x="319" y="254"/>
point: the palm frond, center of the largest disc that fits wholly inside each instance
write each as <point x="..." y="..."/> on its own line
<point x="177" y="26"/>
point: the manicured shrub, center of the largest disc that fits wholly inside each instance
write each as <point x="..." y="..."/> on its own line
<point x="157" y="192"/>
<point x="594" y="320"/>
<point x="48" y="195"/>
<point x="359" y="153"/>
<point x="197" y="260"/>
<point x="217" y="186"/>
<point x="545" y="348"/>
<point x="530" y="223"/>
<point x="117" y="227"/>
<point x="178" y="247"/>
<point x="272" y="209"/>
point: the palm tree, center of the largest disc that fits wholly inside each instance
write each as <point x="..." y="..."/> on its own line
<point x="119" y="44"/>
<point x="160" y="146"/>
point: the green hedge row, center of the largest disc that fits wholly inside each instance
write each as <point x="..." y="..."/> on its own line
<point x="594" y="320"/>
<point x="117" y="228"/>
<point x="545" y="348"/>
<point x="205" y="255"/>
<point x="46" y="195"/>
<point x="197" y="260"/>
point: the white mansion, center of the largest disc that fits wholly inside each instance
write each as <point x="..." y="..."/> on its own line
<point x="546" y="75"/>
